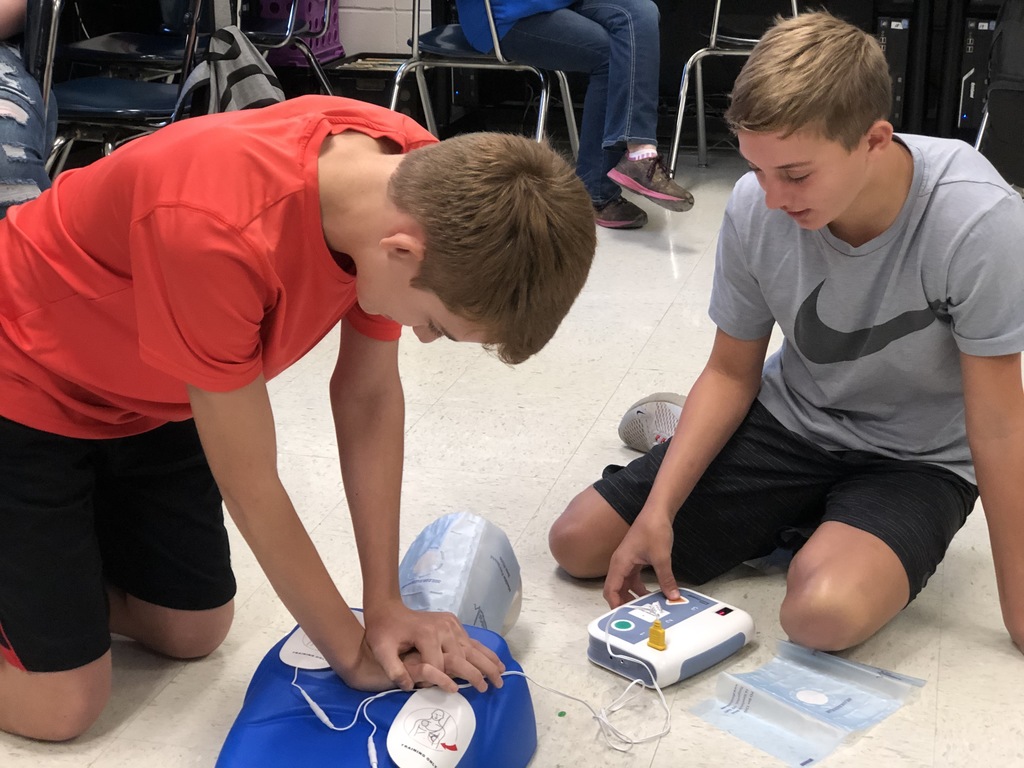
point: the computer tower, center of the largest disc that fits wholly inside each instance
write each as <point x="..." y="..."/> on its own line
<point x="974" y="54"/>
<point x="463" y="83"/>
<point x="894" y="37"/>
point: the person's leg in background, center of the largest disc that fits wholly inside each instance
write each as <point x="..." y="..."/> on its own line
<point x="631" y="115"/>
<point x="616" y="42"/>
<point x="564" y="40"/>
<point x="26" y="134"/>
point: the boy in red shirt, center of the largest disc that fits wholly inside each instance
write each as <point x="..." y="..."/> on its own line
<point x="146" y="299"/>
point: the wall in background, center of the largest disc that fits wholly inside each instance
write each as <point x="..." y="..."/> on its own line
<point x="378" y="26"/>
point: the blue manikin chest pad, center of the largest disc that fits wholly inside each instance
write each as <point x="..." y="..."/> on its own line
<point x="276" y="727"/>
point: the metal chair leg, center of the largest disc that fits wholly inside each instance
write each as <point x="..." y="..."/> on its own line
<point x="694" y="63"/>
<point x="981" y="128"/>
<point x="542" y="106"/>
<point x="684" y="86"/>
<point x="684" y="83"/>
<point x="570" y="113"/>
<point x="416" y="67"/>
<point x="396" y="82"/>
<point x="314" y="64"/>
<point x="702" y="129"/>
<point x="427" y="104"/>
<point x="58" y="155"/>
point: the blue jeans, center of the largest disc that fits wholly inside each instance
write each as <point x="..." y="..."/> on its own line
<point x="26" y="135"/>
<point x="616" y="43"/>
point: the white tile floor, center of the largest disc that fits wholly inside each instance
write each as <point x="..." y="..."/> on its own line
<point x="515" y="445"/>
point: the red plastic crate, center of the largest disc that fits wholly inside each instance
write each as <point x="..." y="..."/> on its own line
<point x="325" y="48"/>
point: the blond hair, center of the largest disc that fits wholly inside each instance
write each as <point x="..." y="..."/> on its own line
<point x="510" y="234"/>
<point x="813" y="72"/>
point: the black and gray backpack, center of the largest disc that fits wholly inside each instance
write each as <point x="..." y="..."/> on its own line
<point x="1001" y="139"/>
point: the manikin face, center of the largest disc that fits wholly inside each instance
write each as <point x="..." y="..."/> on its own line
<point x="812" y="179"/>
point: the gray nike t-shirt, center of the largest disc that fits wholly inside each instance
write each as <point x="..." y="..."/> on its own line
<point x="873" y="334"/>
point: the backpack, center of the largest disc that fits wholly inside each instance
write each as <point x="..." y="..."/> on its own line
<point x="233" y="75"/>
<point x="1002" y="139"/>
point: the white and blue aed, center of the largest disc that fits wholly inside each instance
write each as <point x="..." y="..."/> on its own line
<point x="657" y="640"/>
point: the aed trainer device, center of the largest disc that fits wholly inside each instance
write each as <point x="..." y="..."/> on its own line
<point x="653" y="639"/>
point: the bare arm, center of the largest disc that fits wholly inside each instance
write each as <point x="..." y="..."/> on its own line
<point x="995" y="429"/>
<point x="237" y="432"/>
<point x="369" y="416"/>
<point x="12" y="17"/>
<point x="715" y="407"/>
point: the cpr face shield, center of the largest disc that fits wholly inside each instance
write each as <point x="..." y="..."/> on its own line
<point x="463" y="564"/>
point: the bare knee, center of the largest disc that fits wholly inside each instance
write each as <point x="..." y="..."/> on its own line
<point x="843" y="586"/>
<point x="182" y="634"/>
<point x="825" y="612"/>
<point x="583" y="538"/>
<point x="563" y="535"/>
<point x="53" y="706"/>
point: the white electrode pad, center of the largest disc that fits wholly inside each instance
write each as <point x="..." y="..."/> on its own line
<point x="698" y="631"/>
<point x="432" y="730"/>
<point x="298" y="650"/>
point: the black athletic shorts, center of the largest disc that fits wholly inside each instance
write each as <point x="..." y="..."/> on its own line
<point x="142" y="513"/>
<point x="771" y="488"/>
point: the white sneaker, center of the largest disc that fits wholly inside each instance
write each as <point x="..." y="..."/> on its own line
<point x="651" y="421"/>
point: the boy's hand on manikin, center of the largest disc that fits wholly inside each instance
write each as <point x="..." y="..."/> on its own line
<point x="417" y="648"/>
<point x="367" y="674"/>
<point x="648" y="542"/>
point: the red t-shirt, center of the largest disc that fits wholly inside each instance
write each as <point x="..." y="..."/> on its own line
<point x="195" y="255"/>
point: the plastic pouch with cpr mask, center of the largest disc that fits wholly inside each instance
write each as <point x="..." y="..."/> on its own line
<point x="463" y="564"/>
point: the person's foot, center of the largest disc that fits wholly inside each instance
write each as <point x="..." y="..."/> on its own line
<point x="651" y="421"/>
<point x="620" y="214"/>
<point x="649" y="178"/>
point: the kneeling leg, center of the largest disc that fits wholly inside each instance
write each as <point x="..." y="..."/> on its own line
<point x="53" y="706"/>
<point x="843" y="586"/>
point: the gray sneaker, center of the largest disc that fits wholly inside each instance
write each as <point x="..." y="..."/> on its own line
<point x="620" y="214"/>
<point x="649" y="178"/>
<point x="651" y="421"/>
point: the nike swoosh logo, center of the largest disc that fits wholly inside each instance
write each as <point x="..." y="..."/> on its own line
<point x="823" y="345"/>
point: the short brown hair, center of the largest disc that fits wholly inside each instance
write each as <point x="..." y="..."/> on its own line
<point x="813" y="71"/>
<point x="510" y="234"/>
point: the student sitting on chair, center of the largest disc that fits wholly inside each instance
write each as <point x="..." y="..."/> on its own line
<point x="617" y="44"/>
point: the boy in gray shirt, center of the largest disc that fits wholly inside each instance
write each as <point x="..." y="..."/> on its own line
<point x="893" y="266"/>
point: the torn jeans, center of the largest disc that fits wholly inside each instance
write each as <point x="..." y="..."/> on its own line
<point x="26" y="135"/>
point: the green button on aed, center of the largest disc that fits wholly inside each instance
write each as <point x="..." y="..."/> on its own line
<point x="622" y="625"/>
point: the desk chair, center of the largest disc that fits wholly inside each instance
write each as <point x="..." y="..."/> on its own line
<point x="292" y="30"/>
<point x="719" y="44"/>
<point x="148" y="51"/>
<point x="105" y="109"/>
<point x="162" y="52"/>
<point x="446" y="47"/>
